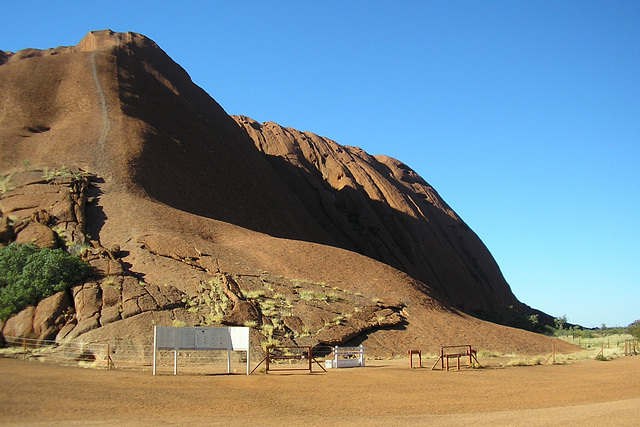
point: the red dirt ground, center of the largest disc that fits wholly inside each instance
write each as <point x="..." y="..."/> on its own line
<point x="384" y="393"/>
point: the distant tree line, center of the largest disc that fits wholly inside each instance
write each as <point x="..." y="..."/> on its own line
<point x="513" y="317"/>
<point x="578" y="331"/>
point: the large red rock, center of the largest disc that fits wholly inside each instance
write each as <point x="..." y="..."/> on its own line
<point x="188" y="192"/>
<point x="51" y="315"/>
<point x="242" y="313"/>
<point x="39" y="234"/>
<point x="87" y="300"/>
<point x="20" y="325"/>
<point x="381" y="208"/>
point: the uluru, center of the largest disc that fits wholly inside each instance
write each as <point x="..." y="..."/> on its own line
<point x="189" y="216"/>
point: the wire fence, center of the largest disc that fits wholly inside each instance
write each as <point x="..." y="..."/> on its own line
<point x="613" y="343"/>
<point x="117" y="355"/>
<point x="122" y="355"/>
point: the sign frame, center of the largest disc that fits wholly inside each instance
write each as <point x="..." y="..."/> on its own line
<point x="231" y="338"/>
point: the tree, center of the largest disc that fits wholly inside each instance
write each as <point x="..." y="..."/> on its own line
<point x="560" y="322"/>
<point x="29" y="274"/>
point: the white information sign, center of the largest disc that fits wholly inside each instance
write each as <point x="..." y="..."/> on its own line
<point x="233" y="338"/>
<point x="239" y="336"/>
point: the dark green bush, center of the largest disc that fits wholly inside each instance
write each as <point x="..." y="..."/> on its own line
<point x="29" y="273"/>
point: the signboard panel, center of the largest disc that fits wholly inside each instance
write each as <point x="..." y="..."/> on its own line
<point x="239" y="338"/>
<point x="187" y="338"/>
<point x="211" y="338"/>
<point x="234" y="338"/>
<point x="166" y="338"/>
<point x="221" y="339"/>
<point x="204" y="338"/>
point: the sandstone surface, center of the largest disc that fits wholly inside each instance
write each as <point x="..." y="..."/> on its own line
<point x="189" y="216"/>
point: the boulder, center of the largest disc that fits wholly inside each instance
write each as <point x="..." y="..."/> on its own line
<point x="106" y="267"/>
<point x="20" y="205"/>
<point x="110" y="315"/>
<point x="84" y="326"/>
<point x="111" y="289"/>
<point x="39" y="234"/>
<point x="49" y="316"/>
<point x="294" y="324"/>
<point x="243" y="312"/>
<point x="88" y="301"/>
<point x="65" y="330"/>
<point x="61" y="206"/>
<point x="131" y="291"/>
<point x="20" y="325"/>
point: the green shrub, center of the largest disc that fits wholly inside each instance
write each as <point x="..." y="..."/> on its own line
<point x="29" y="274"/>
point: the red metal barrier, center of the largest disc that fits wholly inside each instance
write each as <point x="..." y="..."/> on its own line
<point x="455" y="352"/>
<point x="273" y="354"/>
<point x="419" y="353"/>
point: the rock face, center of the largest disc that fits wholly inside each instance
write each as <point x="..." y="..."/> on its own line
<point x="382" y="209"/>
<point x="190" y="216"/>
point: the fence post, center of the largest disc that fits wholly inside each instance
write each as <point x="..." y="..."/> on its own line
<point x="24" y="348"/>
<point x="155" y="348"/>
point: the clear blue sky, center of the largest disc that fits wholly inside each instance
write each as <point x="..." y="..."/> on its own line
<point x="524" y="115"/>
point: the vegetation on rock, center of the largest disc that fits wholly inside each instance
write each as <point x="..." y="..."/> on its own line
<point x="29" y="274"/>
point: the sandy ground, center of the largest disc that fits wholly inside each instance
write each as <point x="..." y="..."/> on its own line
<point x="384" y="393"/>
